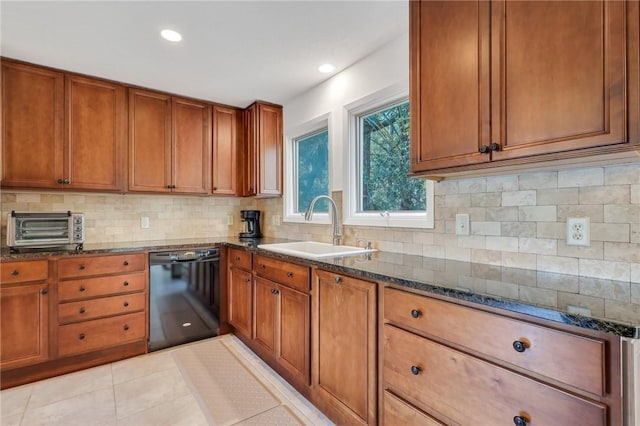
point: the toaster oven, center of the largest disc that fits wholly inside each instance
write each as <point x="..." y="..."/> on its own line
<point x="45" y="229"/>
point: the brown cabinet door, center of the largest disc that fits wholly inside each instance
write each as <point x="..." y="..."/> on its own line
<point x="265" y="305"/>
<point x="293" y="345"/>
<point x="95" y="132"/>
<point x="250" y="151"/>
<point x="558" y="71"/>
<point x="149" y="141"/>
<point x="226" y="141"/>
<point x="240" y="301"/>
<point x="449" y="73"/>
<point x="345" y="347"/>
<point x="32" y="126"/>
<point x="24" y="324"/>
<point x="269" y="150"/>
<point x="191" y="146"/>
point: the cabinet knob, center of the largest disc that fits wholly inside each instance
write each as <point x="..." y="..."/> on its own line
<point x="81" y="336"/>
<point x="519" y="346"/>
<point x="81" y="288"/>
<point x="289" y="274"/>
<point x="125" y="263"/>
<point x="483" y="149"/>
<point x="15" y="273"/>
<point x="263" y="266"/>
<point x="494" y="147"/>
<point x="44" y="291"/>
<point x="82" y="311"/>
<point x="215" y="188"/>
<point x="126" y="304"/>
<point x="416" y="313"/>
<point x="126" y="327"/>
<point x="237" y="258"/>
<point x="60" y="181"/>
<point x="520" y="421"/>
<point x="66" y="181"/>
<point x="168" y="186"/>
<point x="337" y="280"/>
<point x="415" y="370"/>
<point x="82" y="267"/>
<point x="126" y="283"/>
<point x="248" y="280"/>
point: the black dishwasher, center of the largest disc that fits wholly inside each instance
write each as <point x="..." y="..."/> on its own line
<point x="184" y="296"/>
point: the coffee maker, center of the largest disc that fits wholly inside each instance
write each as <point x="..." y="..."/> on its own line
<point x="252" y="218"/>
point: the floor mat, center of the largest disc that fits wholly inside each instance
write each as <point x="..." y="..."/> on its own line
<point x="226" y="390"/>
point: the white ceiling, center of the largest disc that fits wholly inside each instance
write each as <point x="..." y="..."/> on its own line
<point x="233" y="52"/>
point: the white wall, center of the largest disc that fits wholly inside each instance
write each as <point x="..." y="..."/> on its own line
<point x="386" y="68"/>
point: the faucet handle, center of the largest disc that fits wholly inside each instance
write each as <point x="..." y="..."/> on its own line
<point x="366" y="244"/>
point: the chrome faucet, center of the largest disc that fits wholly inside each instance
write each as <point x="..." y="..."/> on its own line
<point x="336" y="224"/>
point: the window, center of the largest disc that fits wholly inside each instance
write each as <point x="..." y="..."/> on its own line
<point x="380" y="192"/>
<point x="311" y="170"/>
<point x="307" y="171"/>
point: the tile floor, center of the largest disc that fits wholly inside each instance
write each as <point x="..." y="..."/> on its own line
<point x="145" y="390"/>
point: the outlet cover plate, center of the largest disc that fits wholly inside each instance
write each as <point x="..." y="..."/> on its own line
<point x="578" y="232"/>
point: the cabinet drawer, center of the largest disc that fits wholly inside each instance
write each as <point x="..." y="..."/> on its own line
<point x="457" y="385"/>
<point x="575" y="360"/>
<point x="73" y="267"/>
<point x="400" y="413"/>
<point x="101" y="307"/>
<point x="17" y="272"/>
<point x="290" y="274"/>
<point x="240" y="258"/>
<point x="103" y="286"/>
<point x="90" y="335"/>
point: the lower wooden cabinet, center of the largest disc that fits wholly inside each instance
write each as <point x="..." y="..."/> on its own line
<point x="344" y="374"/>
<point x="240" y="301"/>
<point x="24" y="314"/>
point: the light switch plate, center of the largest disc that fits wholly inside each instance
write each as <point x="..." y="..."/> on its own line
<point x="462" y="224"/>
<point x="144" y="222"/>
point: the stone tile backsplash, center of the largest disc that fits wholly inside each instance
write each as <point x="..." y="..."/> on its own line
<point x="516" y="221"/>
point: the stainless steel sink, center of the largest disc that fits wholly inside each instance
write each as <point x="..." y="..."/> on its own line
<point x="314" y="249"/>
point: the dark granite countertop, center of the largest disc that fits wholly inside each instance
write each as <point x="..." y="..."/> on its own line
<point x="449" y="278"/>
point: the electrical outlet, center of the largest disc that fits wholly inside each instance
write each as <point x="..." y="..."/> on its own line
<point x="144" y="222"/>
<point x="462" y="224"/>
<point x="578" y="231"/>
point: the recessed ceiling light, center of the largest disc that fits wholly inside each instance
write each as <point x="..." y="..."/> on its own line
<point x="326" y="68"/>
<point x="171" y="35"/>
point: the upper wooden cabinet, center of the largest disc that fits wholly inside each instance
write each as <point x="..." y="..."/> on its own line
<point x="169" y="143"/>
<point x="263" y="150"/>
<point x="61" y="130"/>
<point x="527" y="80"/>
<point x="227" y="140"/>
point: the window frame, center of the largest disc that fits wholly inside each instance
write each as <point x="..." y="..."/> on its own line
<point x="351" y="215"/>
<point x="289" y="199"/>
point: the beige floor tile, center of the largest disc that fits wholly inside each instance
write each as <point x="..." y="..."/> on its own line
<point x="141" y="366"/>
<point x="10" y="420"/>
<point x="13" y="402"/>
<point x="91" y="408"/>
<point x="149" y="391"/>
<point x="279" y="416"/>
<point x="69" y="385"/>
<point x="183" y="411"/>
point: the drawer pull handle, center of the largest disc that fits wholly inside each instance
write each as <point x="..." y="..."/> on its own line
<point x="15" y="272"/>
<point x="126" y="283"/>
<point x="81" y="288"/>
<point x="416" y="313"/>
<point x="289" y="274"/>
<point x="415" y="370"/>
<point x="125" y="263"/>
<point x="82" y="311"/>
<point x="44" y="291"/>
<point x="338" y="280"/>
<point x="519" y="346"/>
<point x="126" y="304"/>
<point x="126" y="327"/>
<point x="81" y="336"/>
<point x="82" y="267"/>
<point x="520" y="421"/>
